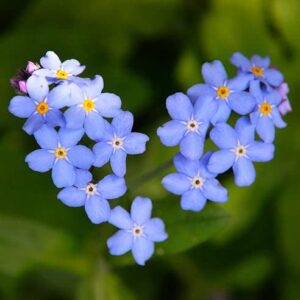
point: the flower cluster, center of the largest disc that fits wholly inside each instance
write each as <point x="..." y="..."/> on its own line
<point x="257" y="93"/>
<point x="60" y="108"/>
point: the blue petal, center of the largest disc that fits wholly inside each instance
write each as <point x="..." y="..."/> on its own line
<point x="83" y="177"/>
<point x="242" y="102"/>
<point x="72" y="66"/>
<point x="245" y="130"/>
<point x="176" y="183"/>
<point x="260" y="152"/>
<point x="240" y="61"/>
<point x="265" y="129"/>
<point x="274" y="98"/>
<point x="70" y="137"/>
<point x="254" y="117"/>
<point x="239" y="83"/>
<point x="108" y="105"/>
<point x="55" y="118"/>
<point x="135" y="143"/>
<point x="118" y="162"/>
<point x="171" y="133"/>
<point x="244" y="172"/>
<point x="97" y="209"/>
<point x="191" y="146"/>
<point x="260" y="61"/>
<point x="203" y="170"/>
<point x="141" y="210"/>
<point x="72" y="197"/>
<point x="46" y="137"/>
<point x="37" y="87"/>
<point x="142" y="250"/>
<point x="40" y="160"/>
<point x="123" y="123"/>
<point x="63" y="174"/>
<point x="112" y="187"/>
<point x="224" y="136"/>
<point x="193" y="200"/>
<point x="81" y="157"/>
<point x="120" y="218"/>
<point x="154" y="230"/>
<point x="93" y="87"/>
<point x="21" y="106"/>
<point x="221" y="161"/>
<point x="179" y="107"/>
<point x="214" y="73"/>
<point x="74" y="117"/>
<point x="277" y="118"/>
<point x="76" y="95"/>
<point x="274" y="77"/>
<point x="94" y="126"/>
<point x="103" y="152"/>
<point x="213" y="191"/>
<point x="222" y="114"/>
<point x="33" y="123"/>
<point x="120" y="243"/>
<point x="199" y="90"/>
<point x="51" y="61"/>
<point x="205" y="108"/>
<point x="186" y="166"/>
<point x="255" y="90"/>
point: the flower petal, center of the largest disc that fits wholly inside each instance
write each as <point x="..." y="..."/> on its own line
<point x="245" y="131"/>
<point x="214" y="73"/>
<point x="63" y="174"/>
<point x="223" y="136"/>
<point x="93" y="87"/>
<point x="277" y="118"/>
<point x="54" y="118"/>
<point x="83" y="177"/>
<point x="171" y="133"/>
<point x="239" y="83"/>
<point x="204" y="108"/>
<point x="199" y="90"/>
<point x="255" y="90"/>
<point x="46" y="137"/>
<point x="274" y="77"/>
<point x="103" y="152"/>
<point x="193" y="200"/>
<point x="40" y="160"/>
<point x="120" y="218"/>
<point x="221" y="161"/>
<point x="108" y="105"/>
<point x="97" y="209"/>
<point x="242" y="102"/>
<point x="191" y="146"/>
<point x="222" y="114"/>
<point x="265" y="129"/>
<point x="186" y="166"/>
<point x="120" y="243"/>
<point x="72" y="197"/>
<point x="33" y="123"/>
<point x="21" y="106"/>
<point x="37" y="87"/>
<point x="260" y="61"/>
<point x="141" y="210"/>
<point x="70" y="137"/>
<point x="112" y="187"/>
<point x="142" y="250"/>
<point x="81" y="157"/>
<point x="135" y="143"/>
<point x="214" y="191"/>
<point x="240" y="61"/>
<point x="50" y="61"/>
<point x="73" y="66"/>
<point x="179" y="107"/>
<point x="244" y="172"/>
<point x="118" y="162"/>
<point x="154" y="230"/>
<point x="261" y="152"/>
<point x="176" y="183"/>
<point x="123" y="123"/>
<point x="74" y="117"/>
<point x="94" y="126"/>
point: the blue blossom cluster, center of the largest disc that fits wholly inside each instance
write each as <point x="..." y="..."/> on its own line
<point x="257" y="93"/>
<point x="60" y="108"/>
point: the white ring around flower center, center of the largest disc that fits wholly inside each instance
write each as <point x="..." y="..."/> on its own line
<point x="91" y="189"/>
<point x="240" y="151"/>
<point x="192" y="125"/>
<point x="197" y="182"/>
<point x="117" y="143"/>
<point x="137" y="230"/>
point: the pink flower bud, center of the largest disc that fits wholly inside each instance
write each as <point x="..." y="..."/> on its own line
<point x="285" y="106"/>
<point x="22" y="86"/>
<point x="31" y="67"/>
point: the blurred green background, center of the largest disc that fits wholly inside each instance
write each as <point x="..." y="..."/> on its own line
<point x="248" y="248"/>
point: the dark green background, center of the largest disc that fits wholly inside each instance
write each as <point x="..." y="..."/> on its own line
<point x="248" y="248"/>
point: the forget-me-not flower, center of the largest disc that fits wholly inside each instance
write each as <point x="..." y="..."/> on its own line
<point x="238" y="150"/>
<point x="37" y="106"/>
<point x="229" y="94"/>
<point x="117" y="142"/>
<point x="194" y="183"/>
<point x="189" y="125"/>
<point x="60" y="152"/>
<point x="138" y="231"/>
<point x="266" y="116"/>
<point x="93" y="196"/>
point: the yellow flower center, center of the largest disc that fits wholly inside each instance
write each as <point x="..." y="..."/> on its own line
<point x="265" y="108"/>
<point x="257" y="71"/>
<point x="60" y="152"/>
<point x="223" y="92"/>
<point x="88" y="105"/>
<point x="42" y="108"/>
<point x="61" y="74"/>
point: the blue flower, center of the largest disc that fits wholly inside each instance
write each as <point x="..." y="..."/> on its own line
<point x="138" y="231"/>
<point x="60" y="153"/>
<point x="258" y="69"/>
<point x="229" y="94"/>
<point x="55" y="71"/>
<point x="37" y="107"/>
<point x="90" y="106"/>
<point x="117" y="142"/>
<point x="267" y="115"/>
<point x="194" y="182"/>
<point x="93" y="196"/>
<point x="238" y="150"/>
<point x="189" y="125"/>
